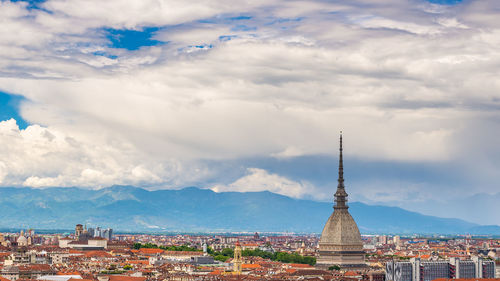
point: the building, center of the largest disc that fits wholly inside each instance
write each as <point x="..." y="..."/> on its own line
<point x="417" y="270"/>
<point x="27" y="271"/>
<point x="237" y="261"/>
<point x="58" y="258"/>
<point x="63" y="242"/>
<point x="429" y="270"/>
<point x="99" y="232"/>
<point x="462" y="269"/>
<point x="398" y="271"/>
<point x="397" y="240"/>
<point x="340" y="242"/>
<point x="22" y="241"/>
<point x="484" y="268"/>
<point x="21" y="256"/>
<point x="95" y="243"/>
<point x="107" y="233"/>
<point x="78" y="230"/>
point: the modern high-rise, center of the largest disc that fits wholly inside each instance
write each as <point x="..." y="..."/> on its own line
<point x="417" y="270"/>
<point x="107" y="233"/>
<point x="340" y="242"/>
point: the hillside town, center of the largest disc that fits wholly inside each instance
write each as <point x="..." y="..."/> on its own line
<point x="86" y="255"/>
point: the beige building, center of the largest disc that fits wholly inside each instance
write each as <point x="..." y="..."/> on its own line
<point x="340" y="242"/>
<point x="94" y="243"/>
<point x="63" y="242"/>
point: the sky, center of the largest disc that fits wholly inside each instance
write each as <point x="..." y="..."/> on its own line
<point x="165" y="94"/>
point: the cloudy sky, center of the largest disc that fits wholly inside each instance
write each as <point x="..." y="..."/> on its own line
<point x="251" y="95"/>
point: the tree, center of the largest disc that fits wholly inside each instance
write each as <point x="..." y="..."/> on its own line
<point x="210" y="251"/>
<point x="228" y="252"/>
<point x="334" y="267"/>
<point x="221" y="258"/>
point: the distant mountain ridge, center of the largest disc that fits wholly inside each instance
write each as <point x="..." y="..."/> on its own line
<point x="130" y="208"/>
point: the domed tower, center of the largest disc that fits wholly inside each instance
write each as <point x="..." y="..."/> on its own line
<point x="340" y="242"/>
<point x="22" y="241"/>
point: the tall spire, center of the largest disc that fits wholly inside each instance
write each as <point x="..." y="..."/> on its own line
<point x="341" y="165"/>
<point x="340" y="194"/>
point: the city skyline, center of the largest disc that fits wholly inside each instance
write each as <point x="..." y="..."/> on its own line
<point x="218" y="140"/>
<point x="144" y="257"/>
<point x="251" y="97"/>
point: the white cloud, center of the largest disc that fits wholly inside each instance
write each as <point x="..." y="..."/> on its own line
<point x="41" y="157"/>
<point x="260" y="180"/>
<point x="290" y="151"/>
<point x="404" y="80"/>
<point x="138" y="13"/>
<point x="3" y="171"/>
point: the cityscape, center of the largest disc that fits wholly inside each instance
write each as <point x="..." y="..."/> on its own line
<point x="339" y="253"/>
<point x="225" y="140"/>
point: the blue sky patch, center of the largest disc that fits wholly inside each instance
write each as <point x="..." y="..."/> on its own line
<point x="242" y="27"/>
<point x="9" y="108"/>
<point x="241" y="18"/>
<point x="132" y="39"/>
<point x="227" y="19"/>
<point x="32" y="4"/>
<point x="226" y="37"/>
<point x="104" y="54"/>
<point x="445" y="2"/>
<point x="204" y="46"/>
<point x="285" y="20"/>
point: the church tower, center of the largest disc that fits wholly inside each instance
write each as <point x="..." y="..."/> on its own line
<point x="340" y="242"/>
<point x="237" y="260"/>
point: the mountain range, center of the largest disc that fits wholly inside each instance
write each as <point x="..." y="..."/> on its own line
<point x="192" y="209"/>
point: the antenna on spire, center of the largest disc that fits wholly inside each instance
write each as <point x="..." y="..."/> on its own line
<point x="341" y="164"/>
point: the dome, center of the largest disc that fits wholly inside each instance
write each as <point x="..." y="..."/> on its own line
<point x="341" y="229"/>
<point x="22" y="241"/>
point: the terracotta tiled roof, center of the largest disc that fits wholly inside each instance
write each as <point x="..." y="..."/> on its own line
<point x="150" y="251"/>
<point x="250" y="266"/>
<point x="72" y="251"/>
<point x="35" y="267"/>
<point x="101" y="254"/>
<point x="125" y="278"/>
<point x="300" y="265"/>
<point x="351" y="273"/>
<point x="216" y="272"/>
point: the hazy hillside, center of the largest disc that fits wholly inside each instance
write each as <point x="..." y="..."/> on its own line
<point x="193" y="209"/>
